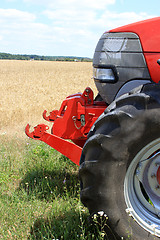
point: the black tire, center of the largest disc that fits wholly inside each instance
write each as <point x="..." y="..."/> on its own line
<point x="127" y="126"/>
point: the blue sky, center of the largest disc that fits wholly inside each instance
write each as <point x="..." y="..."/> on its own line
<point x="65" y="27"/>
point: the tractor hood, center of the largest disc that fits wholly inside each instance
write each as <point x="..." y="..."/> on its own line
<point x="148" y="32"/>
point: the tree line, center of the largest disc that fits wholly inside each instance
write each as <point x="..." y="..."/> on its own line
<point x="10" y="56"/>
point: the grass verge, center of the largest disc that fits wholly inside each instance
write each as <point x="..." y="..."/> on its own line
<point x="39" y="197"/>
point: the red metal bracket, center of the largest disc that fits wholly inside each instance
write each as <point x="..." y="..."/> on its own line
<point x="51" y="117"/>
<point x="68" y="149"/>
<point x="38" y="131"/>
<point x="73" y="121"/>
<point x="76" y="116"/>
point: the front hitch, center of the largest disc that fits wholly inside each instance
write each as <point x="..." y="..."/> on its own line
<point x="72" y="121"/>
<point x="38" y="131"/>
<point x="67" y="148"/>
<point x="51" y="117"/>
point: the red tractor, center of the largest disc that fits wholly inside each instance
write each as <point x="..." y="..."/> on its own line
<point x="116" y="136"/>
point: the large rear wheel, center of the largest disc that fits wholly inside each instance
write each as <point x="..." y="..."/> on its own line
<point x="120" y="165"/>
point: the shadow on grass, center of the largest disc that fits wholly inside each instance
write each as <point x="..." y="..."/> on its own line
<point x="69" y="225"/>
<point x="64" y="226"/>
<point x="45" y="184"/>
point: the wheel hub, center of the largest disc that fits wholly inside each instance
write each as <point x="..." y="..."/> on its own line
<point x="142" y="188"/>
<point x="148" y="173"/>
<point x="158" y="175"/>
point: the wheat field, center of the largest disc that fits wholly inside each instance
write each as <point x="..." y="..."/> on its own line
<point x="29" y="87"/>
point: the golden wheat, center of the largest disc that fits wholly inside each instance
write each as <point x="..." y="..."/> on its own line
<point x="29" y="87"/>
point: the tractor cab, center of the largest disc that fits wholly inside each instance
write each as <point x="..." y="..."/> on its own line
<point x="126" y="57"/>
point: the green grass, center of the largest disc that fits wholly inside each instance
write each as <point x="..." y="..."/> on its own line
<point x="39" y="197"/>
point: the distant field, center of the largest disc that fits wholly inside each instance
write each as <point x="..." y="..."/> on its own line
<point x="29" y="87"/>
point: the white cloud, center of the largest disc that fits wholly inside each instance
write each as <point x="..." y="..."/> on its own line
<point x="76" y="4"/>
<point x="16" y="15"/>
<point x="85" y="27"/>
<point x="109" y="20"/>
<point x="71" y="18"/>
<point x="70" y="27"/>
<point x="20" y="33"/>
<point x="114" y="19"/>
<point x="82" y="4"/>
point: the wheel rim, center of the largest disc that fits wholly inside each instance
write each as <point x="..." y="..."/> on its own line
<point x="142" y="188"/>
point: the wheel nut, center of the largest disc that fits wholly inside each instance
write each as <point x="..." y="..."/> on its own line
<point x="153" y="175"/>
<point x="157" y="187"/>
<point x="157" y="164"/>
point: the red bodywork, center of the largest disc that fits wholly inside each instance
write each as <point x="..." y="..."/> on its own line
<point x="73" y="121"/>
<point x="150" y="40"/>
